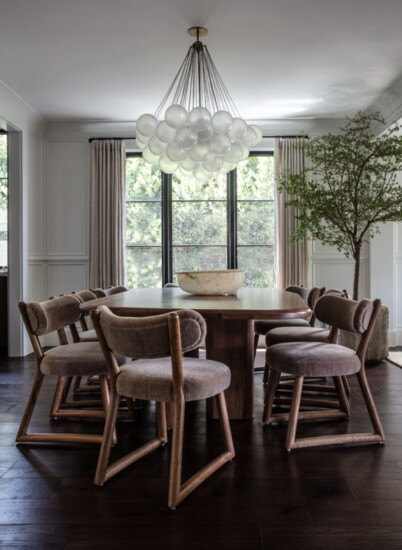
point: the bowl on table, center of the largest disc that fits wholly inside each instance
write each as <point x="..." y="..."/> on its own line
<point x="211" y="282"/>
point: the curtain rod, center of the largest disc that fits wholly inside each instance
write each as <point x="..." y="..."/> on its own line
<point x="290" y="137"/>
<point x="108" y="138"/>
<point x="133" y="137"/>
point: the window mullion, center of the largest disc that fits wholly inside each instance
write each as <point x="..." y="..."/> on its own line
<point x="167" y="259"/>
<point x="232" y="219"/>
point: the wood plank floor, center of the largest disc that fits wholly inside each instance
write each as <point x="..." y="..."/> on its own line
<point x="332" y="498"/>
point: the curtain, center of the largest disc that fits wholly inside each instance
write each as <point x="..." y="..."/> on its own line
<point x="292" y="259"/>
<point x="107" y="216"/>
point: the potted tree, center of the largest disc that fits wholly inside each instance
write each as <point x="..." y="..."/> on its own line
<point x="349" y="189"/>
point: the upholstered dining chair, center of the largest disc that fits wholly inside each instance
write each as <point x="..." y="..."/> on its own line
<point x="160" y="373"/>
<point x="264" y="327"/>
<point x="63" y="361"/>
<point x="309" y="333"/>
<point x="85" y="334"/>
<point x="306" y="359"/>
<point x="103" y="292"/>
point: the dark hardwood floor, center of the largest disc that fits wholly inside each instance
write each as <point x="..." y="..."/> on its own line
<point x="328" y="498"/>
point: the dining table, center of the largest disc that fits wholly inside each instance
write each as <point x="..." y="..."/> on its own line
<point x="230" y="330"/>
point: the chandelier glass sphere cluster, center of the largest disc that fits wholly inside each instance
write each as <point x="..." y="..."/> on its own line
<point x="202" y="133"/>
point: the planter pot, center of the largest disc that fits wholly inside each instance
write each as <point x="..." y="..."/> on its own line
<point x="378" y="346"/>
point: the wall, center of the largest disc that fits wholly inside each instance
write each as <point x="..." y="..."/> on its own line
<point x="26" y="128"/>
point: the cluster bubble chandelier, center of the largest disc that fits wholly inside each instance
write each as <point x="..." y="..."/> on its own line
<point x="202" y="134"/>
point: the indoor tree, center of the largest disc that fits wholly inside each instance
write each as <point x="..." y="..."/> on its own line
<point x="349" y="187"/>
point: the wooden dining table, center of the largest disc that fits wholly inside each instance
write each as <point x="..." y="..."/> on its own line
<point x="230" y="331"/>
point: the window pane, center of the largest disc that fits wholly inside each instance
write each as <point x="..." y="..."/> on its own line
<point x="143" y="180"/>
<point x="255" y="178"/>
<point x="191" y="258"/>
<point x="200" y="223"/>
<point x="258" y="262"/>
<point x="143" y="223"/>
<point x="189" y="189"/>
<point x="144" y="267"/>
<point x="255" y="223"/>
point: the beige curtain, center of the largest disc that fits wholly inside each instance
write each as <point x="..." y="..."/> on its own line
<point x="107" y="217"/>
<point x="292" y="259"/>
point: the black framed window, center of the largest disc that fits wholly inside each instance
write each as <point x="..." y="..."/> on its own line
<point x="174" y="223"/>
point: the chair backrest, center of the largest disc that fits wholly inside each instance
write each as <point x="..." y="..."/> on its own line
<point x="356" y="316"/>
<point x="148" y="337"/>
<point x="103" y="292"/>
<point x="302" y="291"/>
<point x="83" y="296"/>
<point x="51" y="315"/>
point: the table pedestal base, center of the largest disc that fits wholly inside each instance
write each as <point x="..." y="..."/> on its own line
<point x="231" y="341"/>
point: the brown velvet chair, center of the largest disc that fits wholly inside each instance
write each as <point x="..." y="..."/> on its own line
<point x="63" y="361"/>
<point x="160" y="373"/>
<point x="309" y="333"/>
<point x="312" y="359"/>
<point x="103" y="292"/>
<point x="264" y="327"/>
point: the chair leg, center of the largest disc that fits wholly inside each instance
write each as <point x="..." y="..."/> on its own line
<point x="273" y="381"/>
<point x="294" y="412"/>
<point x="105" y="471"/>
<point x="107" y="441"/>
<point x="177" y="453"/>
<point x="178" y="491"/>
<point x="26" y="417"/>
<point x="370" y="404"/>
<point x="24" y="437"/>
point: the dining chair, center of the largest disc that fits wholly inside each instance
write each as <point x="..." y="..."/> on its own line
<point x="110" y="291"/>
<point x="304" y="334"/>
<point x="328" y="359"/>
<point x="160" y="373"/>
<point x="264" y="327"/>
<point x="63" y="361"/>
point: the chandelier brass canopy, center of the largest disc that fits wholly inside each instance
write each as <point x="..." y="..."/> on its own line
<point x="202" y="133"/>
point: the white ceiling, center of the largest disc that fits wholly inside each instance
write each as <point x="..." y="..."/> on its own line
<point x="112" y="60"/>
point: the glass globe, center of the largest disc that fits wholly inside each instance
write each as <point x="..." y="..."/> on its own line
<point x="167" y="166"/>
<point x="222" y="122"/>
<point x="176" y="116"/>
<point x="157" y="146"/>
<point x="186" y="137"/>
<point x="235" y="154"/>
<point x="188" y="164"/>
<point x="258" y="132"/>
<point x="165" y="132"/>
<point x="238" y="130"/>
<point x="205" y="135"/>
<point x="141" y="140"/>
<point x="201" y="174"/>
<point x="200" y="152"/>
<point x="250" y="137"/>
<point x="149" y="157"/>
<point x="199" y="118"/>
<point x="175" y="153"/>
<point x="146" y="125"/>
<point x="213" y="164"/>
<point x="219" y="144"/>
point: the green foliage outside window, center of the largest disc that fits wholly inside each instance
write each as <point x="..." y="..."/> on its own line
<point x="199" y="223"/>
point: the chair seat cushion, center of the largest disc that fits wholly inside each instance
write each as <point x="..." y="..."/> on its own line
<point x="88" y="335"/>
<point x="151" y="379"/>
<point x="313" y="359"/>
<point x="263" y="327"/>
<point x="82" y="359"/>
<point x="296" y="334"/>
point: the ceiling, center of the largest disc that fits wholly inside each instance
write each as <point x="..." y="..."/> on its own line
<point x="112" y="60"/>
